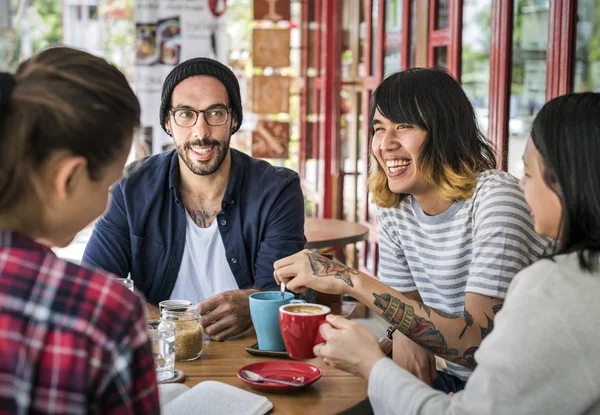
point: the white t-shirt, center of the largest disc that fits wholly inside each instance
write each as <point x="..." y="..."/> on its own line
<point x="204" y="270"/>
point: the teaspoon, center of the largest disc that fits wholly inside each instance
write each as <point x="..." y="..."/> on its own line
<point x="255" y="377"/>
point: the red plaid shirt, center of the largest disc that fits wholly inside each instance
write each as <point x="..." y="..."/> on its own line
<point x="72" y="340"/>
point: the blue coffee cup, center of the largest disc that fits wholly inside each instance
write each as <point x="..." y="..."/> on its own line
<point x="264" y="310"/>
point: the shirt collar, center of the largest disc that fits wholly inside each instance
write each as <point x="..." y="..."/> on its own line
<point x="233" y="184"/>
<point x="10" y="239"/>
<point x="174" y="176"/>
<point x="235" y="177"/>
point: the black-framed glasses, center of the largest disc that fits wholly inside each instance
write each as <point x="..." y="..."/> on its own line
<point x="186" y="117"/>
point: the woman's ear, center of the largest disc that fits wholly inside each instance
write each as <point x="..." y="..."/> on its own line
<point x="70" y="172"/>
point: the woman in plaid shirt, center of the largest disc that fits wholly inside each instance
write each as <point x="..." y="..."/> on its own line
<point x="72" y="339"/>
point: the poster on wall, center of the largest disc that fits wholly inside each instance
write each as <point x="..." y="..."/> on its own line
<point x="168" y="32"/>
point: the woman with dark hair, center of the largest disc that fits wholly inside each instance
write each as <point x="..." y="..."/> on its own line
<point x="542" y="357"/>
<point x="73" y="339"/>
<point x="453" y="232"/>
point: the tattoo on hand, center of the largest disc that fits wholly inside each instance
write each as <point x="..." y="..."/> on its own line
<point x="324" y="267"/>
<point x="497" y="308"/>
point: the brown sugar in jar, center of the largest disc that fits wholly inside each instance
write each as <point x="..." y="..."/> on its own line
<point x="189" y="333"/>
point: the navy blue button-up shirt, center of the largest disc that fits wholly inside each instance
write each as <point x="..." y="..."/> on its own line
<point x="143" y="230"/>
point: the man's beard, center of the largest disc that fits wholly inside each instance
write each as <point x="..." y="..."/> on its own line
<point x="204" y="168"/>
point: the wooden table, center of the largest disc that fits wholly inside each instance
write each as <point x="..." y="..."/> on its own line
<point x="335" y="392"/>
<point x="325" y="233"/>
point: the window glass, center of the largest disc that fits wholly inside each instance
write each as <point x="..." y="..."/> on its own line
<point x="528" y="87"/>
<point x="393" y="37"/>
<point x="475" y="76"/>
<point x="587" y="55"/>
<point x="442" y="14"/>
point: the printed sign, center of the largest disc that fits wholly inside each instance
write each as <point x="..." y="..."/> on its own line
<point x="169" y="32"/>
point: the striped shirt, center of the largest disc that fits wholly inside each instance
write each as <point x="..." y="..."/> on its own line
<point x="477" y="245"/>
<point x="72" y="340"/>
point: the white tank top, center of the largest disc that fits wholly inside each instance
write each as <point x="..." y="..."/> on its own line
<point x="204" y="270"/>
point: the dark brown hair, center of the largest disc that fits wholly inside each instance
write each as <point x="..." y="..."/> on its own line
<point x="566" y="132"/>
<point x="454" y="151"/>
<point x="63" y="99"/>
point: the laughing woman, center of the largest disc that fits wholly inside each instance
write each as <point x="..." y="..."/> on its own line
<point x="542" y="357"/>
<point x="453" y="232"/>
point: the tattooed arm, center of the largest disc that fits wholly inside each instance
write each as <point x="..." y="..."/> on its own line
<point x="452" y="337"/>
<point x="455" y="338"/>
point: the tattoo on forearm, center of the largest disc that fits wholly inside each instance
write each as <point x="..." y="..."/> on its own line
<point x="428" y="309"/>
<point x="468" y="358"/>
<point x="395" y="311"/>
<point x="497" y="308"/>
<point x="324" y="267"/>
<point x="487" y="330"/>
<point x="203" y="218"/>
<point x="425" y="308"/>
<point x="421" y="330"/>
<point x="468" y="323"/>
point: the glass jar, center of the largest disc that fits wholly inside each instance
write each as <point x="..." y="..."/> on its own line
<point x="189" y="333"/>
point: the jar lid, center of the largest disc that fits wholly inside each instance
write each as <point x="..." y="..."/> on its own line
<point x="178" y="312"/>
<point x="174" y="305"/>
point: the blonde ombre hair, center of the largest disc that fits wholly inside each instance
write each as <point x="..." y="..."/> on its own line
<point x="454" y="152"/>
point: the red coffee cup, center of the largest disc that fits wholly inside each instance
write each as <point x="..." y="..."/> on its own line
<point x="299" y="325"/>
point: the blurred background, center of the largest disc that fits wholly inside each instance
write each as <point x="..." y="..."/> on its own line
<point x="307" y="68"/>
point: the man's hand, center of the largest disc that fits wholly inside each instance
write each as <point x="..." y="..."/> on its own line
<point x="307" y="269"/>
<point x="227" y="314"/>
<point x="152" y="312"/>
<point x="412" y="357"/>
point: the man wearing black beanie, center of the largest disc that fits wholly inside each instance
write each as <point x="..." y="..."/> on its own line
<point x="204" y="222"/>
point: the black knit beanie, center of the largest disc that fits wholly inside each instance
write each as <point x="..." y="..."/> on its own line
<point x="202" y="66"/>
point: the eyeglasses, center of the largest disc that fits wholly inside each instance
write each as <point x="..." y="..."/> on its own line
<point x="185" y="117"/>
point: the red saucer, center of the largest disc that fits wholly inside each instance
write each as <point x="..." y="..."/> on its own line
<point x="282" y="370"/>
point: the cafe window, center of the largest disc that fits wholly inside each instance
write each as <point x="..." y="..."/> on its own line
<point x="475" y="76"/>
<point x="528" y="88"/>
<point x="587" y="47"/>
<point x="392" y="59"/>
<point x="375" y="21"/>
<point x="441" y="56"/>
<point x="441" y="21"/>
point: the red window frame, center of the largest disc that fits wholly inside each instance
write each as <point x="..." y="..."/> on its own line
<point x="327" y="83"/>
